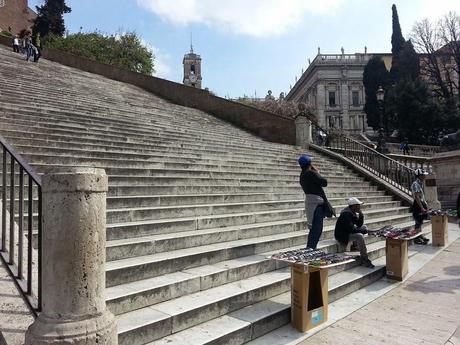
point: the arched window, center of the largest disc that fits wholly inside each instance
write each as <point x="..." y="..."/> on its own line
<point x="192" y="69"/>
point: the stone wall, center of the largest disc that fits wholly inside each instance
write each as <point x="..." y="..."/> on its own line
<point x="269" y="126"/>
<point x="446" y="166"/>
<point x="16" y="15"/>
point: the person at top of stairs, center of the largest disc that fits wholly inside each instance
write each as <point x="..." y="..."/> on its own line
<point x="315" y="199"/>
<point x="419" y="207"/>
<point x="350" y="227"/>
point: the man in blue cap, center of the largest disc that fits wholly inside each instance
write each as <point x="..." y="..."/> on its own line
<point x="312" y="184"/>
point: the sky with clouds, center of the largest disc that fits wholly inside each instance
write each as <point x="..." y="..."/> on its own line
<point x="249" y="47"/>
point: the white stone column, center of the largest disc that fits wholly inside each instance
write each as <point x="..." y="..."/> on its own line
<point x="73" y="294"/>
<point x="302" y="131"/>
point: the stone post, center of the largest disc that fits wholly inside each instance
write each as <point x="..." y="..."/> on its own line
<point x="431" y="192"/>
<point x="302" y="131"/>
<point x="73" y="293"/>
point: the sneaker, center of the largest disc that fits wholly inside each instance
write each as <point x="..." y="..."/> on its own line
<point x="419" y="240"/>
<point x="367" y="263"/>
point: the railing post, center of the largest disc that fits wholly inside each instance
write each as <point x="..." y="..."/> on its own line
<point x="302" y="131"/>
<point x="73" y="296"/>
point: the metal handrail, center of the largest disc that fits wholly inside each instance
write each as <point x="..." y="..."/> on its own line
<point x="15" y="261"/>
<point x="391" y="171"/>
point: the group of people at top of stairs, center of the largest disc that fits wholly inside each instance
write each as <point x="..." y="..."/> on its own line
<point x="350" y="223"/>
<point x="28" y="45"/>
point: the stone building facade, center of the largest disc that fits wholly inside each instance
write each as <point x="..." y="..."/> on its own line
<point x="15" y="15"/>
<point x="192" y="69"/>
<point x="333" y="86"/>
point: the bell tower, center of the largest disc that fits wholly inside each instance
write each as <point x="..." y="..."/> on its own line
<point x="192" y="69"/>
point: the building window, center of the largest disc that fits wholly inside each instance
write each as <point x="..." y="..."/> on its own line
<point x="332" y="98"/>
<point x="192" y="69"/>
<point x="355" y="98"/>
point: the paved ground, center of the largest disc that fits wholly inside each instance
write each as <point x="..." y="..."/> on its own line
<point x="425" y="309"/>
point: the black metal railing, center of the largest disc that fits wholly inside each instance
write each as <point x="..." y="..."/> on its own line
<point x="391" y="171"/>
<point x="21" y="226"/>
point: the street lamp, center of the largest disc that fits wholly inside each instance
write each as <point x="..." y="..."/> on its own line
<point x="381" y="145"/>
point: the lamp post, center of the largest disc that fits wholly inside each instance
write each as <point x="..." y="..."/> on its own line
<point x="381" y="145"/>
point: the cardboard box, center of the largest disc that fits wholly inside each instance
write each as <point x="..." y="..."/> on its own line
<point x="439" y="230"/>
<point x="397" y="258"/>
<point x="309" y="297"/>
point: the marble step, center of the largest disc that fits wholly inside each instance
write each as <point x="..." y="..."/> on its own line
<point x="142" y="293"/>
<point x="187" y="311"/>
<point x="147" y="266"/>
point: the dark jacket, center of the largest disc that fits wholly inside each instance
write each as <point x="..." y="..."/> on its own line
<point x="347" y="224"/>
<point x="312" y="183"/>
<point x="458" y="206"/>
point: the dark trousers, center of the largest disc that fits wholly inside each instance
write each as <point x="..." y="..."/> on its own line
<point x="15" y="48"/>
<point x="316" y="228"/>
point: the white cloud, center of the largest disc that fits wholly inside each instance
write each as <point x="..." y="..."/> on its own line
<point x="162" y="68"/>
<point x="258" y="18"/>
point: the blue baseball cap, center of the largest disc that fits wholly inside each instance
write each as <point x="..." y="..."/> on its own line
<point x="304" y="160"/>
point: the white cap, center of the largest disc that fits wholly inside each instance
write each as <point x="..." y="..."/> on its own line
<point x="419" y="172"/>
<point x="354" y="201"/>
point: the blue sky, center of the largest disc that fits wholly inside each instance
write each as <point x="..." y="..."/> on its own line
<point x="251" y="46"/>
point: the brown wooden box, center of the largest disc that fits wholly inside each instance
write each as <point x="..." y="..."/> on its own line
<point x="397" y="258"/>
<point x="309" y="296"/>
<point x="439" y="230"/>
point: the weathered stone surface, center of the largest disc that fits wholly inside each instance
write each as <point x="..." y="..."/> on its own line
<point x="73" y="302"/>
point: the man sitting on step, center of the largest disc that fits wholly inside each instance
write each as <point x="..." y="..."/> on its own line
<point x="349" y="227"/>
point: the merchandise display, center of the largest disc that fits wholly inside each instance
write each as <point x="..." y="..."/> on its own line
<point x="313" y="257"/>
<point x="390" y="231"/>
<point x="448" y="213"/>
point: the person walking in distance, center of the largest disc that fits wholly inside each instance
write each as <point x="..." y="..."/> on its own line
<point x="419" y="207"/>
<point x="16" y="44"/>
<point x="350" y="227"/>
<point x="312" y="184"/>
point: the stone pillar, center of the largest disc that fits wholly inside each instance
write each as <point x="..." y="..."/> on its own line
<point x="446" y="166"/>
<point x="302" y="131"/>
<point x="73" y="294"/>
<point x="431" y="192"/>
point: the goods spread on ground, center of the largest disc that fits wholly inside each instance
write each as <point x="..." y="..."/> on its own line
<point x="448" y="213"/>
<point x="390" y="231"/>
<point x="312" y="257"/>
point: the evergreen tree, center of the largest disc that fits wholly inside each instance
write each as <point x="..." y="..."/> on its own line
<point x="397" y="45"/>
<point x="50" y="18"/>
<point x="419" y="117"/>
<point x="408" y="62"/>
<point x="397" y="39"/>
<point x="375" y="75"/>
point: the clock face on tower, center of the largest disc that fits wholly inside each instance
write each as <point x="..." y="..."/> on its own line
<point x="192" y="78"/>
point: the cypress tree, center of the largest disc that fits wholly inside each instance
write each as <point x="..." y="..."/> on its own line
<point x="397" y="45"/>
<point x="397" y="39"/>
<point x="50" y="18"/>
<point x="375" y="75"/>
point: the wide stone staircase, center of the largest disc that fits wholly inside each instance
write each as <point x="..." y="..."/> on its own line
<point x="194" y="209"/>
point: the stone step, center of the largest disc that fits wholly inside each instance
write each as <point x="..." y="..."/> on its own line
<point x="126" y="213"/>
<point x="184" y="312"/>
<point x="160" y="161"/>
<point x="150" y="227"/>
<point x="142" y="293"/>
<point x="158" y="243"/>
<point x="251" y="322"/>
<point x="167" y="135"/>
<point x="115" y="202"/>
<point x="204" y="169"/>
<point x="136" y="129"/>
<point x="142" y="267"/>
